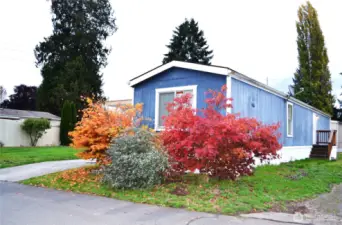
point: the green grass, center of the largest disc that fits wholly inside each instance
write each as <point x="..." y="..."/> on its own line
<point x="270" y="186"/>
<point x="15" y="156"/>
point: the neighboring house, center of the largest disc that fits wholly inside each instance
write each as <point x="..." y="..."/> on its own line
<point x="298" y="121"/>
<point x="11" y="133"/>
<point x="112" y="104"/>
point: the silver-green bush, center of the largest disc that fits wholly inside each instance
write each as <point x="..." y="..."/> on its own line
<point x="136" y="161"/>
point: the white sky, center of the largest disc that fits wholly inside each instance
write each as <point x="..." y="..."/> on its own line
<point x="257" y="38"/>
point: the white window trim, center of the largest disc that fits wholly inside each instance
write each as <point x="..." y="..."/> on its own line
<point x="193" y="88"/>
<point x="287" y="119"/>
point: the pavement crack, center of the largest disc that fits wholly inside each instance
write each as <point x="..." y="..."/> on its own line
<point x="200" y="217"/>
<point x="278" y="221"/>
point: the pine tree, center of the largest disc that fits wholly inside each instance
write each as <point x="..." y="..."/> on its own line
<point x="189" y="45"/>
<point x="313" y="72"/>
<point x="66" y="120"/>
<point x="72" y="57"/>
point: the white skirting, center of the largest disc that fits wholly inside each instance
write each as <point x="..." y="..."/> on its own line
<point x="287" y="154"/>
<point x="333" y="154"/>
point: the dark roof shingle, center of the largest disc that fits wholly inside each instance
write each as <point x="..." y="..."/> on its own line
<point x="16" y="114"/>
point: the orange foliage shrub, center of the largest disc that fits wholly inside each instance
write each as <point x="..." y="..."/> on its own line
<point x="99" y="125"/>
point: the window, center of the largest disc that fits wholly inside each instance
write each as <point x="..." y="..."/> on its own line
<point x="289" y="114"/>
<point x="166" y="95"/>
<point x="164" y="98"/>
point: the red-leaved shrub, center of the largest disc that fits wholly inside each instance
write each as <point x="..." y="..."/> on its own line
<point x="221" y="145"/>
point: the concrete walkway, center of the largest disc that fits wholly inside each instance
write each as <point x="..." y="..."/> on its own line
<point x="39" y="169"/>
<point x="325" y="209"/>
<point x="327" y="206"/>
<point x="20" y="204"/>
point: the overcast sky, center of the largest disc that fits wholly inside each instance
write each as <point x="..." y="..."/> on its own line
<point x="256" y="38"/>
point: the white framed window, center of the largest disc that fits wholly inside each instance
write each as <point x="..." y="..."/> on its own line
<point x="166" y="95"/>
<point x="289" y="119"/>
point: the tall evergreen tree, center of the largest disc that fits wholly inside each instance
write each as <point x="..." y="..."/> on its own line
<point x="313" y="72"/>
<point x="189" y="45"/>
<point x="72" y="57"/>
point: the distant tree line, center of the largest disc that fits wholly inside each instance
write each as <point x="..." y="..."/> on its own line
<point x="24" y="98"/>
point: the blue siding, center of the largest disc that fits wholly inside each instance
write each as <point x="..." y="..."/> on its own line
<point x="251" y="101"/>
<point x="248" y="100"/>
<point x="144" y="92"/>
<point x="323" y="123"/>
<point x="302" y="127"/>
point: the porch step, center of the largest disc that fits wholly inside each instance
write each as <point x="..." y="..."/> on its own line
<point x="320" y="146"/>
<point x="319" y="151"/>
<point x="319" y="156"/>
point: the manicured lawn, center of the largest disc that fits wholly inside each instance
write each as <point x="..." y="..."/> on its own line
<point x="25" y="155"/>
<point x="269" y="187"/>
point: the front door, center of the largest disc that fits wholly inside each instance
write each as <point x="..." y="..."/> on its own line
<point x="314" y="127"/>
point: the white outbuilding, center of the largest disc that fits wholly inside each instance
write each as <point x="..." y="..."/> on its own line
<point x="11" y="133"/>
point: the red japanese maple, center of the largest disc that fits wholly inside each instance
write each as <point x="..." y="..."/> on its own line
<point x="222" y="145"/>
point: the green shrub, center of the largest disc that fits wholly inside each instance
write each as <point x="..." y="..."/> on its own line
<point x="136" y="161"/>
<point x="35" y="128"/>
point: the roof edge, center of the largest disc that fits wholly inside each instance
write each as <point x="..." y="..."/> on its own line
<point x="27" y="117"/>
<point x="184" y="65"/>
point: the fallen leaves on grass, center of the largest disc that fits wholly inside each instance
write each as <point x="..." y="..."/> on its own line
<point x="180" y="191"/>
<point x="77" y="176"/>
<point x="299" y="175"/>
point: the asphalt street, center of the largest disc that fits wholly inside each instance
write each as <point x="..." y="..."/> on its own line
<point x="27" y="205"/>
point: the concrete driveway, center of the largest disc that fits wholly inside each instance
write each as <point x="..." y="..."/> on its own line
<point x="24" y="172"/>
<point x="28" y="205"/>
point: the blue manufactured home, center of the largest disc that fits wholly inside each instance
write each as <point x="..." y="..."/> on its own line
<point x="298" y="121"/>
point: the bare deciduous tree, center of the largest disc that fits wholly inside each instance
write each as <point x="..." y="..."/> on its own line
<point x="3" y="93"/>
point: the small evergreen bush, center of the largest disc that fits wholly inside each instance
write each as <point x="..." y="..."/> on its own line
<point x="35" y="128"/>
<point x="68" y="121"/>
<point x="136" y="161"/>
